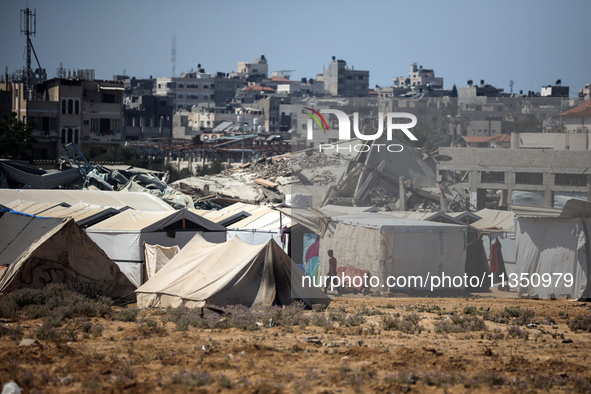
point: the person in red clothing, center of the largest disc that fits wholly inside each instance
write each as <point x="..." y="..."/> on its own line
<point x="332" y="271"/>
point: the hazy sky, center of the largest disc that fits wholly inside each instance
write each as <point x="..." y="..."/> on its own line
<point x="532" y="42"/>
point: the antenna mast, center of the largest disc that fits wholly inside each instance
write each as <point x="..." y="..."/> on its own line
<point x="28" y="28"/>
<point x="173" y="56"/>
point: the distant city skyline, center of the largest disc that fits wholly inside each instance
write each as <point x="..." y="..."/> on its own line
<point x="531" y="42"/>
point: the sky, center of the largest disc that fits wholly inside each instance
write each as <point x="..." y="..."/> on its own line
<point x="531" y="42"/>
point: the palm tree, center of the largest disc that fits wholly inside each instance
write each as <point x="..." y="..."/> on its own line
<point x="425" y="139"/>
<point x="452" y="115"/>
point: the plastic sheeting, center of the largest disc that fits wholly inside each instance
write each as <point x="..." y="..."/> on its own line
<point x="139" y="201"/>
<point x="551" y="248"/>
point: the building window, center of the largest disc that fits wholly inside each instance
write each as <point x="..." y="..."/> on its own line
<point x="77" y="107"/>
<point x="63" y="106"/>
<point x="95" y="125"/>
<point x="70" y="135"/>
<point x="529" y="178"/>
<point x="63" y="136"/>
<point x="76" y="135"/>
<point x="570" y="179"/>
<point x="70" y="106"/>
<point x="114" y="125"/>
<point x="492" y="177"/>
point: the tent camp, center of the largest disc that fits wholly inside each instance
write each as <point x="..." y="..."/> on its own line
<point x="39" y="251"/>
<point x="386" y="246"/>
<point x="553" y="252"/>
<point x="205" y="274"/>
<point x="122" y="236"/>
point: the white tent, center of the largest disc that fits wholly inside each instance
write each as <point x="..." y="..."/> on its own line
<point x="41" y="251"/>
<point x="386" y="246"/>
<point x="84" y="214"/>
<point x="547" y="250"/>
<point x="123" y="235"/>
<point x="204" y="274"/>
<point x="554" y="244"/>
<point x="139" y="201"/>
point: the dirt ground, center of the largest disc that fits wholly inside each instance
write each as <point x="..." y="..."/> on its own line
<point x="549" y="357"/>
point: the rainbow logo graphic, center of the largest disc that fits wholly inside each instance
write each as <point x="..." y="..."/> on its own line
<point x="323" y="126"/>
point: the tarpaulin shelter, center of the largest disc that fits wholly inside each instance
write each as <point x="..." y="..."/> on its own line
<point x="138" y="201"/>
<point x="205" y="274"/>
<point x="84" y="214"/>
<point x="122" y="236"/>
<point x="386" y="246"/>
<point x="550" y="246"/>
<point x="476" y="260"/>
<point x="39" y="251"/>
<point x="498" y="224"/>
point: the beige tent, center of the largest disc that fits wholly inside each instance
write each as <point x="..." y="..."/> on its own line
<point x="122" y="236"/>
<point x="205" y="274"/>
<point x="41" y="251"/>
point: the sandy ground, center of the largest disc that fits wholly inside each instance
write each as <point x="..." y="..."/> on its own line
<point x="365" y="358"/>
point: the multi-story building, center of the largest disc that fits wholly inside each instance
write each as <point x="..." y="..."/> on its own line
<point x="340" y="80"/>
<point x="147" y="116"/>
<point x="191" y="124"/>
<point x="554" y="91"/>
<point x="252" y="71"/>
<point x="418" y="77"/>
<point x="71" y="110"/>
<point x="303" y="88"/>
<point x="198" y="88"/>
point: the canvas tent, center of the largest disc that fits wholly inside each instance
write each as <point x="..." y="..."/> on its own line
<point x="386" y="246"/>
<point x="549" y="245"/>
<point x="122" y="236"/>
<point x="205" y="274"/>
<point x="39" y="251"/>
